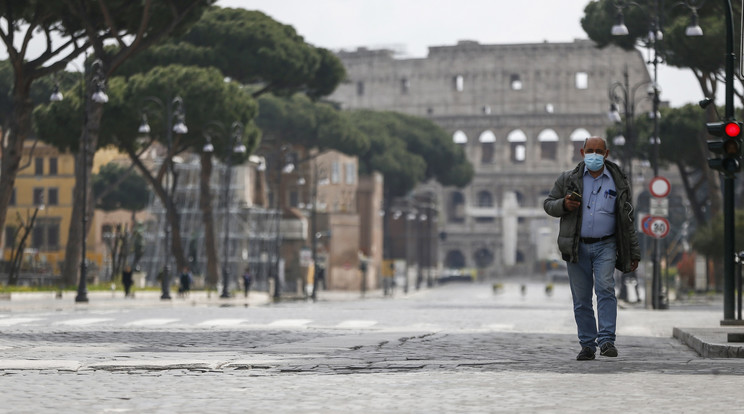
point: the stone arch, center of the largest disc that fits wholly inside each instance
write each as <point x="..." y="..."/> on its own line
<point x="548" y="140"/>
<point x="487" y="141"/>
<point x="518" y="146"/>
<point x="485" y="198"/>
<point x="483" y="257"/>
<point x="578" y="136"/>
<point x="454" y="260"/>
<point x="456" y="211"/>
<point x="459" y="137"/>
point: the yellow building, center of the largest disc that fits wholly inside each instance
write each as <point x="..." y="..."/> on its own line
<point x="46" y="181"/>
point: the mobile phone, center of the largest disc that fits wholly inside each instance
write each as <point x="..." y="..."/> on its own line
<point x="575" y="196"/>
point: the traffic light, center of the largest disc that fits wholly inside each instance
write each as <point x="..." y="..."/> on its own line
<point x="729" y="148"/>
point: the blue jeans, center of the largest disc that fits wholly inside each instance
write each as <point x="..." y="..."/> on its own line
<point x="596" y="264"/>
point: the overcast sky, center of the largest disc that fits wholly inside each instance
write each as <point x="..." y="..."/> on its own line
<point x="414" y="25"/>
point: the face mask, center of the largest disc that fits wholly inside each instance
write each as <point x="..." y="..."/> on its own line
<point x="594" y="162"/>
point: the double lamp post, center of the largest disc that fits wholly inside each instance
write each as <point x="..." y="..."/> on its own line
<point x="98" y="97"/>
<point x="655" y="36"/>
<point x="174" y="123"/>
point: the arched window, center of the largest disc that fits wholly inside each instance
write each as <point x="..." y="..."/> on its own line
<point x="520" y="198"/>
<point x="518" y="143"/>
<point x="459" y="83"/>
<point x="483" y="257"/>
<point x="457" y="207"/>
<point x="485" y="199"/>
<point x="548" y="140"/>
<point x="454" y="260"/>
<point x="577" y="140"/>
<point x="487" y="140"/>
<point x="459" y="137"/>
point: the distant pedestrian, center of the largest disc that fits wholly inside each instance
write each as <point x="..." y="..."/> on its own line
<point x="247" y="280"/>
<point x="126" y="280"/>
<point x="597" y="234"/>
<point x="320" y="277"/>
<point x="185" y="282"/>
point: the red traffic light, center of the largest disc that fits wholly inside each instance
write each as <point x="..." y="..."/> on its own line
<point x="732" y="129"/>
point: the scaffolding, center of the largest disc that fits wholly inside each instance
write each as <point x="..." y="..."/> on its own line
<point x="252" y="235"/>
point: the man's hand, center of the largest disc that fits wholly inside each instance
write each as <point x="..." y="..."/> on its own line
<point x="633" y="265"/>
<point x="570" y="204"/>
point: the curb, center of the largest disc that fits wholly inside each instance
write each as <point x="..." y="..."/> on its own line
<point x="710" y="342"/>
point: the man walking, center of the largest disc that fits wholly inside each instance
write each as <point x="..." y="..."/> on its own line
<point x="596" y="235"/>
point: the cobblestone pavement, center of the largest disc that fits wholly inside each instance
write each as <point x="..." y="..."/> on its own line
<point x="459" y="348"/>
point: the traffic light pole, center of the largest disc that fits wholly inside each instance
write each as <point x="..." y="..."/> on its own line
<point x="728" y="180"/>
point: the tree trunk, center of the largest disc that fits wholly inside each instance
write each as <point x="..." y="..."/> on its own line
<point x="205" y="205"/>
<point x="171" y="212"/>
<point x="83" y="167"/>
<point x="12" y="149"/>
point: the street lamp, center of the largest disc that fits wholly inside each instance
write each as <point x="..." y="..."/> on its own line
<point x="98" y="81"/>
<point x="656" y="35"/>
<point x="235" y="146"/>
<point x="175" y="122"/>
<point x="621" y="93"/>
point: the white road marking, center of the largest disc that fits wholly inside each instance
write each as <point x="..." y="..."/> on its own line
<point x="16" y="321"/>
<point x="222" y="322"/>
<point x="83" y="321"/>
<point x="151" y="322"/>
<point x="500" y="327"/>
<point x="352" y="324"/>
<point x="290" y="323"/>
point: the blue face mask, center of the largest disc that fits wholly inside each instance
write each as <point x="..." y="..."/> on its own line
<point x="594" y="161"/>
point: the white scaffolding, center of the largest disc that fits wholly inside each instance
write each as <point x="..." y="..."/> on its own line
<point x="252" y="235"/>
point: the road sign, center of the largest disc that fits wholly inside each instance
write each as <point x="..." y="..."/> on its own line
<point x="645" y="224"/>
<point x="659" y="207"/>
<point x="659" y="187"/>
<point x="659" y="227"/>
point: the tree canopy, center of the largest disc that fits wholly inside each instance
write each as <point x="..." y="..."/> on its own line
<point x="117" y="187"/>
<point x="252" y="48"/>
<point x="409" y="150"/>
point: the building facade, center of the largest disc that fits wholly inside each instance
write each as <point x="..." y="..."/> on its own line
<point x="521" y="112"/>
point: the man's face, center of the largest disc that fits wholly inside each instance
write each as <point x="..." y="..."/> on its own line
<point x="595" y="146"/>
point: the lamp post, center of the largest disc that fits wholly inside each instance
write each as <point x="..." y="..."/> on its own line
<point x="99" y="97"/>
<point x="315" y="235"/>
<point x="655" y="36"/>
<point x="174" y="117"/>
<point x="621" y="93"/>
<point x="235" y="146"/>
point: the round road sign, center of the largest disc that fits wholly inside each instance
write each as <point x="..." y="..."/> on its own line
<point x="658" y="227"/>
<point x="646" y="225"/>
<point x="659" y="187"/>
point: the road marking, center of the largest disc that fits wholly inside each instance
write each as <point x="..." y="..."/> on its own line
<point x="222" y="322"/>
<point x="151" y="322"/>
<point x="290" y="323"/>
<point x="16" y="321"/>
<point x="351" y="324"/>
<point x="36" y="364"/>
<point x="501" y="327"/>
<point x="83" y="321"/>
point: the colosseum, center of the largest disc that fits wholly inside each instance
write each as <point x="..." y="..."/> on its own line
<point x="520" y="111"/>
